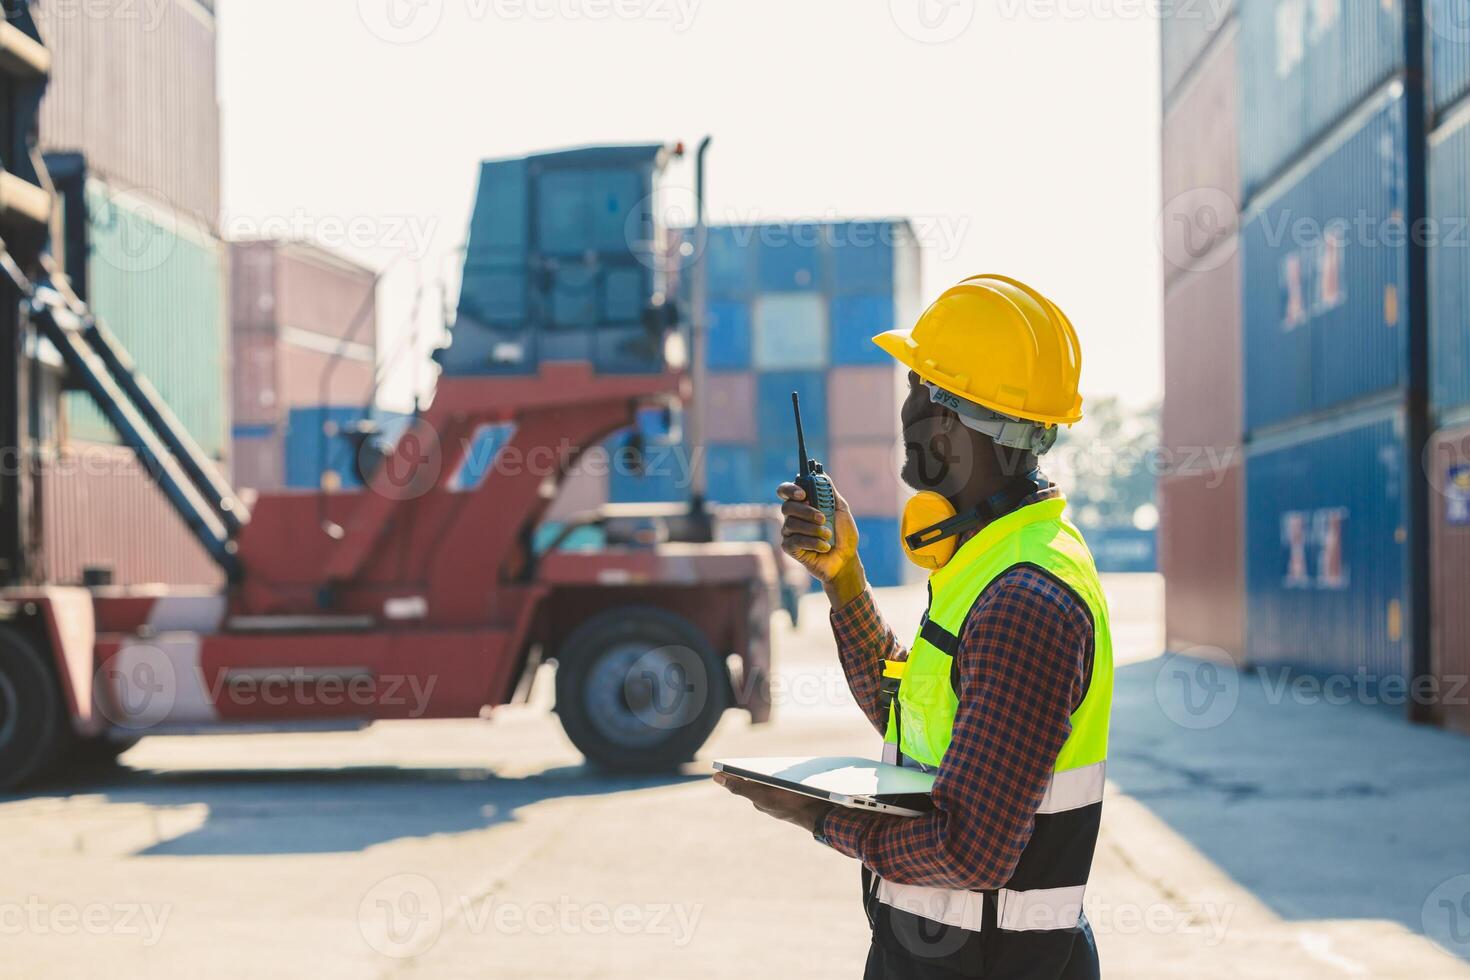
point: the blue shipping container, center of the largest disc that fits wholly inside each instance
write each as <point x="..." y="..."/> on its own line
<point x="863" y="254"/>
<point x="855" y="321"/>
<point x="317" y="445"/>
<point x="1303" y="67"/>
<point x="1325" y="275"/>
<point x="775" y="462"/>
<point x="730" y="260"/>
<point x="774" y="422"/>
<point x="561" y="264"/>
<point x="727" y="340"/>
<point x="1122" y="549"/>
<point x="791" y="332"/>
<point x="881" y="552"/>
<point x="1184" y="32"/>
<point x="1448" y="30"/>
<point x="1449" y="266"/>
<point x="791" y="256"/>
<point x="730" y="472"/>
<point x="1326" y="523"/>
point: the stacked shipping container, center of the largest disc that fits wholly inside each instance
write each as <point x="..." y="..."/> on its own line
<point x="132" y="121"/>
<point x="304" y="337"/>
<point x="793" y="307"/>
<point x="1448" y="456"/>
<point x="1334" y="325"/>
<point x="1201" y="505"/>
<point x="1327" y="324"/>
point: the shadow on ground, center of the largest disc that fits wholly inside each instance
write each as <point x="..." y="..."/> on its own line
<point x="1323" y="809"/>
<point x="305" y="811"/>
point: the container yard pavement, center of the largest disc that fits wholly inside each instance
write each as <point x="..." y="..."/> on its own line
<point x="1262" y="837"/>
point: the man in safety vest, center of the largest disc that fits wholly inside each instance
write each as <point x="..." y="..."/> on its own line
<point x="1006" y="691"/>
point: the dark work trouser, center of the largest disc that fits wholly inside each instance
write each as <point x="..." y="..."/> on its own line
<point x="883" y="964"/>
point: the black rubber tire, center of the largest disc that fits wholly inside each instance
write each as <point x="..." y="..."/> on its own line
<point x="674" y="689"/>
<point x="32" y="718"/>
<point x="96" y="752"/>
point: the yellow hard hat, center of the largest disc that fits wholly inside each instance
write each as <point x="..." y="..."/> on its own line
<point x="1000" y="344"/>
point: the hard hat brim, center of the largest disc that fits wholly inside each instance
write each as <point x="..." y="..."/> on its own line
<point x="899" y="344"/>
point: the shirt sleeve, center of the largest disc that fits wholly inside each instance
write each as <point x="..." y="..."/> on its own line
<point x="1023" y="663"/>
<point x="864" y="641"/>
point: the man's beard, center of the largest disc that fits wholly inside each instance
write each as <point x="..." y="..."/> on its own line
<point x="929" y="465"/>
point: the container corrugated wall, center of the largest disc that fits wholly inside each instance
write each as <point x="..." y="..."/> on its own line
<point x="1200" y="492"/>
<point x="794" y="306"/>
<point x="564" y="262"/>
<point x="1449" y="265"/>
<point x="1201" y="524"/>
<point x="304" y="325"/>
<point x="1326" y="548"/>
<point x="1201" y="166"/>
<point x="1184" y="33"/>
<point x="1304" y="67"/>
<point x="134" y="90"/>
<point x="1201" y="418"/>
<point x="1449" y="512"/>
<point x="101" y="509"/>
<point x="1325" y="274"/>
<point x="1448" y="33"/>
<point x="158" y="280"/>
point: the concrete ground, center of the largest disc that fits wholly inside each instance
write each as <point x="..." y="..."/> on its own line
<point x="1250" y="831"/>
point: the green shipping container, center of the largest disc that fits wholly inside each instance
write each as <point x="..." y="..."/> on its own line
<point x="157" y="279"/>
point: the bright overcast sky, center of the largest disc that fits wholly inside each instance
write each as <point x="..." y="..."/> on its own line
<point x="1020" y="135"/>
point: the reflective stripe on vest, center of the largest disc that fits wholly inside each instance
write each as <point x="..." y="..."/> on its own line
<point x="1045" y="892"/>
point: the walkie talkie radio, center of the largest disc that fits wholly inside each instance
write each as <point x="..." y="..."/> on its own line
<point x="814" y="483"/>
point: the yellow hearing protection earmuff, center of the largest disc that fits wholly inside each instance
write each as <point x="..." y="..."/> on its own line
<point x="930" y="528"/>
<point x="923" y="515"/>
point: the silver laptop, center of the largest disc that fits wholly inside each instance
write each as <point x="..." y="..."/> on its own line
<point x="844" y="780"/>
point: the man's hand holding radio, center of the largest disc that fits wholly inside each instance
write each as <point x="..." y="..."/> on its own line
<point x="807" y="536"/>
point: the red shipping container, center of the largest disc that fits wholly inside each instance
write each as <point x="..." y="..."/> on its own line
<point x="866" y="473"/>
<point x="255" y="395"/>
<point x="729" y="407"/>
<point x="1449" y="548"/>
<point x="101" y="509"/>
<point x="1201" y="167"/>
<point x="1201" y="520"/>
<point x="863" y="402"/>
<point x="1201" y="423"/>
<point x="297" y="309"/>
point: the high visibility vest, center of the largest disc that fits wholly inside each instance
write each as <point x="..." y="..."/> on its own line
<point x="1032" y="919"/>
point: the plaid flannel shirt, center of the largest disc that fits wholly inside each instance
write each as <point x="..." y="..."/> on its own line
<point x="1023" y="663"/>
